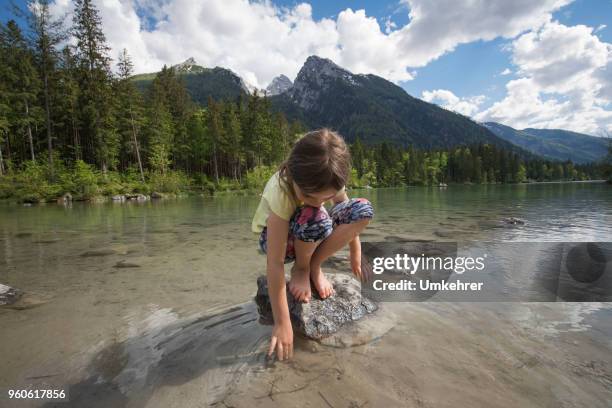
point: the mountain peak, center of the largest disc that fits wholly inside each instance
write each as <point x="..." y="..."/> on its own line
<point x="279" y="85"/>
<point x="317" y="75"/>
<point x="187" y="66"/>
<point x="322" y="66"/>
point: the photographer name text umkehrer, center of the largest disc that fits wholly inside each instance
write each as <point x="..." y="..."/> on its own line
<point x="426" y="284"/>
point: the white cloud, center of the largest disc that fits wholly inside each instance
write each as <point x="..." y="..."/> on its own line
<point x="560" y="58"/>
<point x="599" y="28"/>
<point x="506" y="71"/>
<point x="437" y="27"/>
<point x="259" y="40"/>
<point x="448" y="100"/>
<point x="564" y="82"/>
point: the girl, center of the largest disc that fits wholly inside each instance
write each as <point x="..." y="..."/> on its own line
<point x="294" y="226"/>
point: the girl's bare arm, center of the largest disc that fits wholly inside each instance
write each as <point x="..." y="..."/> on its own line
<point x="282" y="334"/>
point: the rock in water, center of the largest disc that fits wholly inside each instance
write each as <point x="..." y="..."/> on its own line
<point x="320" y="318"/>
<point x="513" y="221"/>
<point x="9" y="295"/>
<point x="98" y="252"/>
<point x="126" y="264"/>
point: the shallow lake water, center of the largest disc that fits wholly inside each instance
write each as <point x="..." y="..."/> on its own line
<point x="149" y="305"/>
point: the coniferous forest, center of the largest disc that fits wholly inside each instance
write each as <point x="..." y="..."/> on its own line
<point x="70" y="124"/>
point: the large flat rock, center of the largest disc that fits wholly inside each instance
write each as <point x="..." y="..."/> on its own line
<point x="320" y="318"/>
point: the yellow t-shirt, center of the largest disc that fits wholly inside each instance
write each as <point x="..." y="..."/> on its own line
<point x="277" y="200"/>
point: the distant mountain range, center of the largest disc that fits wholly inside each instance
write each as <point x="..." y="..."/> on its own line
<point x="374" y="109"/>
<point x="554" y="144"/>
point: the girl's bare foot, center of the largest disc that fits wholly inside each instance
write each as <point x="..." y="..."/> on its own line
<point x="299" y="285"/>
<point x="323" y="286"/>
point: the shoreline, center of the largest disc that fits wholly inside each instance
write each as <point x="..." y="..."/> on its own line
<point x="156" y="196"/>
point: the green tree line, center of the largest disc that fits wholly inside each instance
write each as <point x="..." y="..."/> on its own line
<point x="385" y="165"/>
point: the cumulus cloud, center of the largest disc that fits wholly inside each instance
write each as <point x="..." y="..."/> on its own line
<point x="448" y="100"/>
<point x="259" y="40"/>
<point x="564" y="82"/>
<point x="506" y="71"/>
<point x="437" y="27"/>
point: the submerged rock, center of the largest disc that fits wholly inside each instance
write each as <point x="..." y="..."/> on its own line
<point x="98" y="252"/>
<point x="9" y="295"/>
<point x="443" y="233"/>
<point x="126" y="264"/>
<point x="320" y="318"/>
<point x="513" y="221"/>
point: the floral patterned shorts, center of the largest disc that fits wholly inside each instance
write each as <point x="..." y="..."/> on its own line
<point x="310" y="224"/>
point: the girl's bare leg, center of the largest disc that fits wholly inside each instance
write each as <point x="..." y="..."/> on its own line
<point x="299" y="285"/>
<point x="341" y="235"/>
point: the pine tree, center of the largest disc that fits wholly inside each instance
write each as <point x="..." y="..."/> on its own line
<point x="46" y="34"/>
<point x="215" y="132"/>
<point x="97" y="114"/>
<point x="233" y="139"/>
<point x="357" y="156"/>
<point x="21" y="78"/>
<point x="130" y="111"/>
<point x="200" y="145"/>
<point x="66" y="102"/>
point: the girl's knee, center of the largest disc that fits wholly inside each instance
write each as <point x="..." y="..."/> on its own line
<point x="353" y="210"/>
<point x="310" y="224"/>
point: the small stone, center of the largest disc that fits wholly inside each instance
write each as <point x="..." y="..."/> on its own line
<point x="99" y="252"/>
<point x="126" y="264"/>
<point x="9" y="295"/>
<point x="119" y="197"/>
<point x="443" y="233"/>
<point x="513" y="221"/>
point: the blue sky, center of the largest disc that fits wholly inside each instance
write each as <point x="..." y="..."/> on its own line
<point x="452" y="53"/>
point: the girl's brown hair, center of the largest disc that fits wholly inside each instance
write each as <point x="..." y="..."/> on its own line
<point x="319" y="160"/>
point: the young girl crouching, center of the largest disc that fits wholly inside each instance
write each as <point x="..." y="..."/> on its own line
<point x="294" y="225"/>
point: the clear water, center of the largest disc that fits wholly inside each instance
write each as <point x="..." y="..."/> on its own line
<point x="178" y="327"/>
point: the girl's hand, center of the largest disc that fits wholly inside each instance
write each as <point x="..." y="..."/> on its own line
<point x="282" y="341"/>
<point x="356" y="265"/>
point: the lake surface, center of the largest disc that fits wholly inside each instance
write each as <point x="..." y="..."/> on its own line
<point x="149" y="305"/>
